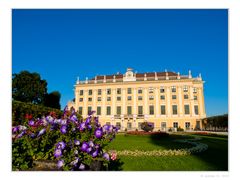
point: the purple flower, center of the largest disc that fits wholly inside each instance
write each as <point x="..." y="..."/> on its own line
<point x="98" y="133"/>
<point x="77" y="142"/>
<point x="31" y="123"/>
<point x="63" y="122"/>
<point x="84" y="146"/>
<point x="32" y="135"/>
<point x="63" y="129"/>
<point x="88" y="120"/>
<point x="89" y="150"/>
<point x="41" y="132"/>
<point x="106" y="156"/>
<point x="49" y="119"/>
<point x="58" y="153"/>
<point x="73" y="118"/>
<point x="61" y="145"/>
<point x="74" y="163"/>
<point x="21" y="134"/>
<point x="95" y="153"/>
<point x="82" y="126"/>
<point x="90" y="143"/>
<point x="90" y="113"/>
<point x="60" y="163"/>
<point x="65" y="110"/>
<point x="76" y="152"/>
<point x="82" y="166"/>
<point x="15" y="129"/>
<point x="89" y="127"/>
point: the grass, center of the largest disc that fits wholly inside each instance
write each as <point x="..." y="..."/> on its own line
<point x="214" y="159"/>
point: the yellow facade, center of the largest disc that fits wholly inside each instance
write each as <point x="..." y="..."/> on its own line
<point x="128" y="100"/>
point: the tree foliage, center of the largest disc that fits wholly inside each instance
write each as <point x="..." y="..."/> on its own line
<point x="53" y="100"/>
<point x="29" y="87"/>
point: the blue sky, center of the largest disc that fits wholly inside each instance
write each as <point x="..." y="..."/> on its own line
<point x="63" y="44"/>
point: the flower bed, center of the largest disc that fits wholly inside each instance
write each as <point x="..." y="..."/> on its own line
<point x="76" y="144"/>
<point x="147" y="133"/>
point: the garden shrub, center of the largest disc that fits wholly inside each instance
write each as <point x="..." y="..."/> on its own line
<point x="22" y="111"/>
<point x="147" y="126"/>
<point x="75" y="143"/>
<point x="180" y="129"/>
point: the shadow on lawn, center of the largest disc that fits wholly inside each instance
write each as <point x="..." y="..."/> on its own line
<point x="216" y="155"/>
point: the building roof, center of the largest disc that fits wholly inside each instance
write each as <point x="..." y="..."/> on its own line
<point x="131" y="76"/>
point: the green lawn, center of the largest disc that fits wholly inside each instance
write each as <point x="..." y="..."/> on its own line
<point x="214" y="159"/>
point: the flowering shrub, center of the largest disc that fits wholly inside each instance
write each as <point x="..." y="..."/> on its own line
<point x="75" y="143"/>
<point x="147" y="126"/>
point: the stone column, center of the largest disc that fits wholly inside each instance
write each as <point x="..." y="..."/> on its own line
<point x="123" y="101"/>
<point x="192" y="113"/>
<point x="157" y="111"/>
<point x="85" y="104"/>
<point x="146" y="112"/>
<point x="168" y="100"/>
<point x="134" y="101"/>
<point x="94" y="100"/>
<point x="103" y="102"/>
<point x="113" y="102"/>
<point x="180" y="101"/>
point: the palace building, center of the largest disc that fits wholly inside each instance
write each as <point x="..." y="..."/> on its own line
<point x="167" y="99"/>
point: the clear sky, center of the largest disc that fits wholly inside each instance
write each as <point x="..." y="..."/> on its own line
<point x="63" y="44"/>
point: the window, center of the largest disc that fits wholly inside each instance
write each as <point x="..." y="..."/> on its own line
<point x="118" y="90"/>
<point x="90" y="99"/>
<point x="129" y="98"/>
<point x="186" y="109"/>
<point x="108" y="110"/>
<point x="174" y="97"/>
<point x="129" y="110"/>
<point x="194" y="90"/>
<point x="162" y="90"/>
<point x="99" y="110"/>
<point x="118" y="110"/>
<point x="140" y="91"/>
<point x="118" y="125"/>
<point x="151" y="97"/>
<point x="90" y="92"/>
<point x="185" y="96"/>
<point x="99" y="91"/>
<point x="195" y="97"/>
<point x="139" y="125"/>
<point x="175" y="124"/>
<point x="80" y="110"/>
<point x="173" y="88"/>
<point x="140" y="110"/>
<point x="108" y="98"/>
<point x="162" y="97"/>
<point x="119" y="98"/>
<point x="163" y="110"/>
<point x="140" y="98"/>
<point x="151" y="89"/>
<point x="196" y="109"/>
<point x="108" y="91"/>
<point x="80" y="99"/>
<point x="99" y="98"/>
<point x="174" y="109"/>
<point x="89" y="109"/>
<point x="151" y="109"/>
<point x="81" y="92"/>
<point x="185" y="89"/>
<point x="129" y="125"/>
<point x="187" y="125"/>
<point x="129" y="90"/>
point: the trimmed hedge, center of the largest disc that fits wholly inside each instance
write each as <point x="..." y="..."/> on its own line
<point x="20" y="109"/>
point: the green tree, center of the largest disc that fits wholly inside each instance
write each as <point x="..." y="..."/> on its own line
<point x="53" y="100"/>
<point x="29" y="87"/>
